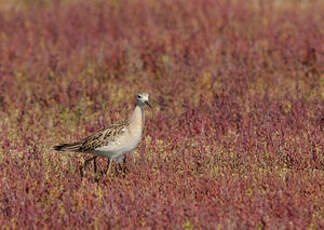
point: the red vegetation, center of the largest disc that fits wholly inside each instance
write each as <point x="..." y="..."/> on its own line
<point x="235" y="139"/>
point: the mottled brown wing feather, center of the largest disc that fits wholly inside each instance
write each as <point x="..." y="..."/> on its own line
<point x="102" y="137"/>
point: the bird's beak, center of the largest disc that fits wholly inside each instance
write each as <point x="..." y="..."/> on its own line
<point x="148" y="104"/>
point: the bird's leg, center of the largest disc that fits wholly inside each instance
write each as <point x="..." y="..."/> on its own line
<point x="85" y="165"/>
<point x="108" y="167"/>
<point x="95" y="164"/>
<point x="120" y="167"/>
<point x="121" y="163"/>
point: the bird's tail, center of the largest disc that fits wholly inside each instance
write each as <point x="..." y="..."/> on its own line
<point x="74" y="147"/>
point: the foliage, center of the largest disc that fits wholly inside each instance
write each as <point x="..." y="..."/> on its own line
<point x="234" y="141"/>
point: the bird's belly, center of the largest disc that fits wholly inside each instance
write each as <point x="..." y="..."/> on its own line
<point x="118" y="148"/>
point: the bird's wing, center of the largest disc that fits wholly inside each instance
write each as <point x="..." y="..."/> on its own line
<point x="98" y="139"/>
<point x="102" y="138"/>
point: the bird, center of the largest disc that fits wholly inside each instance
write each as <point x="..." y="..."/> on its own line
<point x="114" y="141"/>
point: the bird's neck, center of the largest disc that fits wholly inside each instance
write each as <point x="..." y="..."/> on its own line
<point x="137" y="118"/>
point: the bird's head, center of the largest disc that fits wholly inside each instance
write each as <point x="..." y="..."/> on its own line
<point x="142" y="99"/>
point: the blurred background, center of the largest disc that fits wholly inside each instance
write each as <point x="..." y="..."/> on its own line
<point x="235" y="138"/>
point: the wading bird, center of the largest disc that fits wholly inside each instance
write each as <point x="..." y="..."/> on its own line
<point x="114" y="141"/>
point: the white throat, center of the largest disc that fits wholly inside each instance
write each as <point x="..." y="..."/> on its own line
<point x="137" y="119"/>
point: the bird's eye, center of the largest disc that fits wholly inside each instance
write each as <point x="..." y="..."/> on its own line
<point x="139" y="96"/>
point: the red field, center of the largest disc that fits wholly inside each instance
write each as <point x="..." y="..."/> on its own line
<point x="234" y="141"/>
